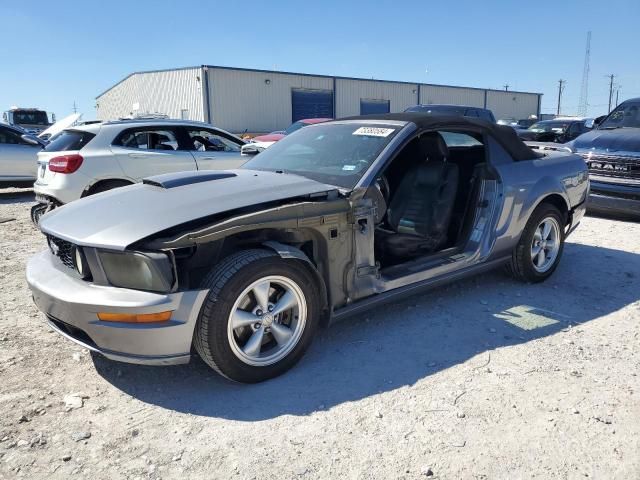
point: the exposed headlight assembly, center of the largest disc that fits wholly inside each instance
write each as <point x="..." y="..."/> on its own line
<point x="139" y="271"/>
<point x="80" y="263"/>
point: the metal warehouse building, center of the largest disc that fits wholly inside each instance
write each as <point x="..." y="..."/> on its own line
<point x="240" y="99"/>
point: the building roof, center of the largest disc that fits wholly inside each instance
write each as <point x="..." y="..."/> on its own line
<point x="275" y="72"/>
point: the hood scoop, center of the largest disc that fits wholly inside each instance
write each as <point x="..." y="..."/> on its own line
<point x="180" y="179"/>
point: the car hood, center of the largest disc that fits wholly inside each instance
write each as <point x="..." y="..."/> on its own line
<point x="622" y="140"/>
<point x="60" y="125"/>
<point x="526" y="134"/>
<point x="271" y="137"/>
<point x="118" y="218"/>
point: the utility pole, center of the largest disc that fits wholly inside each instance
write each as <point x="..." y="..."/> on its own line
<point x="506" y="87"/>
<point x="75" y="109"/>
<point x="611" y="77"/>
<point x="617" y="93"/>
<point x="560" y="90"/>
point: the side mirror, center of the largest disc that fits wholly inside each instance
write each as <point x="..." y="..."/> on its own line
<point x="250" y="149"/>
<point x="598" y="120"/>
<point x="31" y="140"/>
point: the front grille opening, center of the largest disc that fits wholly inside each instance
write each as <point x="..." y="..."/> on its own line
<point x="613" y="166"/>
<point x="74" y="332"/>
<point x="62" y="249"/>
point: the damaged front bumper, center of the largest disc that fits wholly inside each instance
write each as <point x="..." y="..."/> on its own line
<point x="71" y="306"/>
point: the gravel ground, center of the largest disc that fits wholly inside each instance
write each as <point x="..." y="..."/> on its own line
<point x="486" y="378"/>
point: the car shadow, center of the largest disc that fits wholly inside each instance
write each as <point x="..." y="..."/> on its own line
<point x="15" y="195"/>
<point x="401" y="343"/>
<point x="617" y="216"/>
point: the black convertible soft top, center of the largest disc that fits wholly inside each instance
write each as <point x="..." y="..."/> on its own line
<point x="502" y="133"/>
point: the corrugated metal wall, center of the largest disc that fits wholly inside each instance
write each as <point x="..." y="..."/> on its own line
<point x="451" y="95"/>
<point x="256" y="101"/>
<point x="349" y="92"/>
<point x="512" y="104"/>
<point x="177" y="93"/>
<point x="260" y="101"/>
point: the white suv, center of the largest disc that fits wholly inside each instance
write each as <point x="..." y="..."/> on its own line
<point x="93" y="158"/>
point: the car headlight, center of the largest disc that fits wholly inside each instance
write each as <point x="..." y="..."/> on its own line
<point x="139" y="271"/>
<point x="80" y="263"/>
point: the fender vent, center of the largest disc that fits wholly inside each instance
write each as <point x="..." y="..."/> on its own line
<point x="172" y="180"/>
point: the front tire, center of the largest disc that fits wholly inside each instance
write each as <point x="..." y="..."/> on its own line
<point x="259" y="317"/>
<point x="539" y="250"/>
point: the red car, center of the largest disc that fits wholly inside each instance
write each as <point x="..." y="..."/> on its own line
<point x="275" y="136"/>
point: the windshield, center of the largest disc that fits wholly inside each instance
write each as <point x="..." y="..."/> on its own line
<point x="626" y="115"/>
<point x="37" y="117"/>
<point x="337" y="154"/>
<point x="294" y="127"/>
<point x="557" y="127"/>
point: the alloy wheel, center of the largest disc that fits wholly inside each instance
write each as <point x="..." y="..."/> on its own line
<point x="267" y="320"/>
<point x="545" y="245"/>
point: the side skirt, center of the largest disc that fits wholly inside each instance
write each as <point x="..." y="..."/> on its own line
<point x="409" y="290"/>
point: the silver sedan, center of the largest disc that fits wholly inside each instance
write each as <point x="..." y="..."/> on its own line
<point x="18" y="158"/>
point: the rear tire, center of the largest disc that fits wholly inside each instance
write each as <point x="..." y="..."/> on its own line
<point x="244" y="331"/>
<point x="539" y="250"/>
<point x="105" y="186"/>
<point x="37" y="211"/>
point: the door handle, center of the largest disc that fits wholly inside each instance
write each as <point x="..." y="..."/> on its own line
<point x="208" y="158"/>
<point x="137" y="155"/>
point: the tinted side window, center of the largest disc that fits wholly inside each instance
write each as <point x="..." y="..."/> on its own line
<point x="9" y="136"/>
<point x="485" y="115"/>
<point x="148" y="139"/>
<point x="471" y="112"/>
<point x="575" y="128"/>
<point x="457" y="139"/>
<point x="69" y="140"/>
<point x="209" y="141"/>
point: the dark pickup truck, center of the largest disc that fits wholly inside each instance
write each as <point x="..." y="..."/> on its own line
<point x="612" y="153"/>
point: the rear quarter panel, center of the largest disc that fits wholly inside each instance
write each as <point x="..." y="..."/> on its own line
<point x="528" y="183"/>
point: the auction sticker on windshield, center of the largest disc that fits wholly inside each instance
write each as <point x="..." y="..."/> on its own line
<point x="374" y="131"/>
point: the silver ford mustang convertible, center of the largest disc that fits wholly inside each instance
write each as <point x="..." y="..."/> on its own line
<point x="244" y="266"/>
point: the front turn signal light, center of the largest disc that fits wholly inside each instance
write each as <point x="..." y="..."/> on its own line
<point x="135" y="318"/>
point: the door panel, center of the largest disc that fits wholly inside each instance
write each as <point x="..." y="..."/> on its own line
<point x="144" y="152"/>
<point x="140" y="164"/>
<point x="213" y="150"/>
<point x="17" y="158"/>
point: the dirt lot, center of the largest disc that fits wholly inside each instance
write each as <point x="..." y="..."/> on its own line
<point x="487" y="378"/>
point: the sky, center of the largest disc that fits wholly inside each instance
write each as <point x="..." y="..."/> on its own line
<point x="53" y="55"/>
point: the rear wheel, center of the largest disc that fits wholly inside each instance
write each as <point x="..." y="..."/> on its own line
<point x="37" y="211"/>
<point x="106" y="185"/>
<point x="260" y="315"/>
<point x="540" y="247"/>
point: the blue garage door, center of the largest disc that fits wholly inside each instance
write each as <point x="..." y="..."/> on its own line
<point x="311" y="104"/>
<point x="370" y="106"/>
